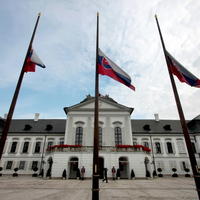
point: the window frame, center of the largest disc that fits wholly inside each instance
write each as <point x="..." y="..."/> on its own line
<point x="13" y="148"/>
<point x="25" y="147"/>
<point x="118" y="135"/>
<point x="79" y="135"/>
<point x="158" y="147"/>
<point x="169" y="147"/>
<point x="10" y="164"/>
<point x="20" y="165"/>
<point x="36" y="147"/>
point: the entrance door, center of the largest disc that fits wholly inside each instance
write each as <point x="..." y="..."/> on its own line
<point x="101" y="166"/>
<point x="124" y="167"/>
<point x="73" y="167"/>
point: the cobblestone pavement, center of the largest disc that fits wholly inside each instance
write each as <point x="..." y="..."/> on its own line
<point x="28" y="188"/>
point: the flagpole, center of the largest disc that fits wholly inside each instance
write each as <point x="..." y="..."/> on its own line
<point x="15" y="96"/>
<point x="95" y="177"/>
<point x="182" y="119"/>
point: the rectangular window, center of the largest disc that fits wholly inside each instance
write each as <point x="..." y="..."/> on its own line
<point x="49" y="144"/>
<point x="169" y="148"/>
<point x="158" y="147"/>
<point x="134" y="141"/>
<point x="194" y="147"/>
<point x="13" y="147"/>
<point x="34" y="164"/>
<point x="22" y="165"/>
<point x="9" y="165"/>
<point x="181" y="146"/>
<point x="61" y="142"/>
<point x="146" y="144"/>
<point x="25" y="147"/>
<point x="37" y="147"/>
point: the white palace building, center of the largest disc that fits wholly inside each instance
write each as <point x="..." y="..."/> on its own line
<point x="127" y="144"/>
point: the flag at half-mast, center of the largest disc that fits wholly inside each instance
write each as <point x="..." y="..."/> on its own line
<point x="31" y="61"/>
<point x="109" y="68"/>
<point x="181" y="72"/>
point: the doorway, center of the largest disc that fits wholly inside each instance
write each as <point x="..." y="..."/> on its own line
<point x="73" y="167"/>
<point x="124" y="167"/>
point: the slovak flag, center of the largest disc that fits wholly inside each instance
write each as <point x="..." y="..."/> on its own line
<point x="109" y="68"/>
<point x="31" y="61"/>
<point x="181" y="72"/>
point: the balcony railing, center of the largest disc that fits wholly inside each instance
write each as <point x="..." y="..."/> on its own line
<point x="118" y="148"/>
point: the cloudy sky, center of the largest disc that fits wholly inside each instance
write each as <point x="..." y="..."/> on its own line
<point x="65" y="41"/>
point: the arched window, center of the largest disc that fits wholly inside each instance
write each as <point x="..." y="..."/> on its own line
<point x="158" y="147"/>
<point x="100" y="136"/>
<point x="118" y="135"/>
<point x="79" y="136"/>
<point x="169" y="147"/>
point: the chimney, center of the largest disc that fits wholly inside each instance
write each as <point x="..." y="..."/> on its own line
<point x="36" y="117"/>
<point x="5" y="116"/>
<point x="156" y="117"/>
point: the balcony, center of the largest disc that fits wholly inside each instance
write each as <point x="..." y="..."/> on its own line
<point x="117" y="148"/>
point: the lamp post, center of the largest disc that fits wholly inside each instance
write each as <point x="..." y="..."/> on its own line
<point x="153" y="162"/>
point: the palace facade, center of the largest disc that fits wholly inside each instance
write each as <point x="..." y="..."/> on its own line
<point x="127" y="144"/>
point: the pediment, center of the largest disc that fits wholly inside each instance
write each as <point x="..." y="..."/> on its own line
<point x="104" y="105"/>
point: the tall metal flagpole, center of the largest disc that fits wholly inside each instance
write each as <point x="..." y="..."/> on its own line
<point x="182" y="119"/>
<point x="95" y="176"/>
<point x="14" y="100"/>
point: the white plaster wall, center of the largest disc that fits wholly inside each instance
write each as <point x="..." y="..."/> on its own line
<point x="136" y="162"/>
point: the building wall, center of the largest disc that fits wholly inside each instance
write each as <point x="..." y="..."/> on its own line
<point x="61" y="161"/>
<point x="28" y="157"/>
<point x="166" y="160"/>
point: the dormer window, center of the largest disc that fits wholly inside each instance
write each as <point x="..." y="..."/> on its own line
<point x="27" y="127"/>
<point x="167" y="127"/>
<point x="49" y="127"/>
<point x="146" y="127"/>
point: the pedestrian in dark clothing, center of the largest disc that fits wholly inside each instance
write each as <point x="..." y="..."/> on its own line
<point x="105" y="175"/>
<point x="132" y="174"/>
<point x="48" y="173"/>
<point x="118" y="173"/>
<point x="113" y="173"/>
<point x="64" y="174"/>
<point x="78" y="174"/>
<point x="82" y="173"/>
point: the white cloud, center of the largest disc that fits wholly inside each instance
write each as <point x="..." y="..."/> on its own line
<point x="65" y="41"/>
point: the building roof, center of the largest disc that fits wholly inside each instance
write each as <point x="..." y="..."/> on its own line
<point x="156" y="127"/>
<point x="43" y="126"/>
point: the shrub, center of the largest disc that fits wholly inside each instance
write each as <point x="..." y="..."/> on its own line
<point x="35" y="169"/>
<point x="15" y="174"/>
<point x="160" y="174"/>
<point x="174" y="174"/>
<point x="187" y="170"/>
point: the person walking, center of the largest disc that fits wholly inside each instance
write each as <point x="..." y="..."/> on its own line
<point x="113" y="173"/>
<point x="64" y="174"/>
<point x="78" y="174"/>
<point x="118" y="173"/>
<point x="82" y="173"/>
<point x="105" y="175"/>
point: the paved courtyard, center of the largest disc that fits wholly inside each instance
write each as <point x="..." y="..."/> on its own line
<point x="28" y="188"/>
